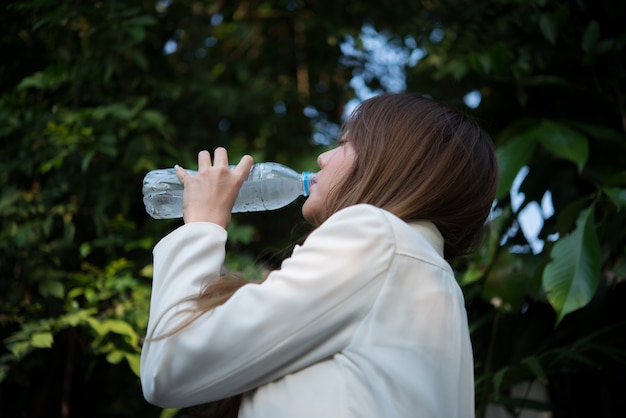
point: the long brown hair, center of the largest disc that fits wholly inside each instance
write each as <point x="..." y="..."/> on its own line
<point x="421" y="160"/>
<point x="416" y="158"/>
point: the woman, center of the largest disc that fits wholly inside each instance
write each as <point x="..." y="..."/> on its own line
<point x="365" y="319"/>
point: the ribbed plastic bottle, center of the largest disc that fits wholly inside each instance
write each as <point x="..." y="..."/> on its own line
<point x="268" y="186"/>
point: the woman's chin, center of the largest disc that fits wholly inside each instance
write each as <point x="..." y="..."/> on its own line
<point x="310" y="212"/>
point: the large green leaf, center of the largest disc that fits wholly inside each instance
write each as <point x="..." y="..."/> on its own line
<point x="564" y="142"/>
<point x="571" y="277"/>
<point x="559" y="139"/>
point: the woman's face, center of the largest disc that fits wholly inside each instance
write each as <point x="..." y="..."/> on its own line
<point x="335" y="166"/>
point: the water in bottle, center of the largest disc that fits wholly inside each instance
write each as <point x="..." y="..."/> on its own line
<point x="268" y="186"/>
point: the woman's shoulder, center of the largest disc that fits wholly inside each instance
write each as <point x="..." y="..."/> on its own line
<point x="366" y="215"/>
<point x="420" y="239"/>
<point x="359" y="210"/>
<point x="367" y="220"/>
<point x="364" y="219"/>
<point x="357" y="220"/>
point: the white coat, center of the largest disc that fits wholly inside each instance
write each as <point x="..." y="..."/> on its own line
<point x="365" y="319"/>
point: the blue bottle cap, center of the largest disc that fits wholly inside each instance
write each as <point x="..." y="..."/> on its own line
<point x="307" y="177"/>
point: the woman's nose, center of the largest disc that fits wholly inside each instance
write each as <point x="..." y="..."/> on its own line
<point x="323" y="158"/>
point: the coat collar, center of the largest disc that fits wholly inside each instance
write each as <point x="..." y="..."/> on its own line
<point x="431" y="234"/>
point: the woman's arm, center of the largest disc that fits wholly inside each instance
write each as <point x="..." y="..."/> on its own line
<point x="304" y="312"/>
<point x="184" y="262"/>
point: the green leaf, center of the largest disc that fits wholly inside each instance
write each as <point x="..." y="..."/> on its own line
<point x="571" y="277"/>
<point x="511" y="158"/>
<point x="141" y="21"/>
<point x="20" y="349"/>
<point x="119" y="327"/>
<point x="50" y="78"/>
<point x="480" y="63"/>
<point x="168" y="413"/>
<point x="548" y="28"/>
<point x="500" y="57"/>
<point x="85" y="249"/>
<point x="564" y="142"/>
<point x="74" y="318"/>
<point x="147" y="271"/>
<point x="133" y="361"/>
<point x="52" y="288"/>
<point x="617" y="195"/>
<point x="534" y="365"/>
<point x="115" y="356"/>
<point x="506" y="290"/>
<point x="42" y="340"/>
<point x="591" y="36"/>
<point x="140" y="60"/>
<point x="567" y="216"/>
<point x="87" y="160"/>
<point x="607" y="45"/>
<point x="154" y="118"/>
<point x="472" y="274"/>
<point x="497" y="381"/>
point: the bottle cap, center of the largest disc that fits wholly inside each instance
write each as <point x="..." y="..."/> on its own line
<point x="307" y="177"/>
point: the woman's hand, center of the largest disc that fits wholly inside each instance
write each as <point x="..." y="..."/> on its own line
<point x="210" y="196"/>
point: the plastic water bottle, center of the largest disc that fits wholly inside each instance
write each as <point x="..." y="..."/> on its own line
<point x="268" y="186"/>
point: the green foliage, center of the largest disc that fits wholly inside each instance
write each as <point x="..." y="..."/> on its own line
<point x="94" y="94"/>
<point x="551" y="78"/>
<point x="108" y="305"/>
<point x="571" y="277"/>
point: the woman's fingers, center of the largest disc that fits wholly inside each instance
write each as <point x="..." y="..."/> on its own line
<point x="243" y="167"/>
<point x="204" y="160"/>
<point x="210" y="196"/>
<point x="220" y="157"/>
<point x="180" y="173"/>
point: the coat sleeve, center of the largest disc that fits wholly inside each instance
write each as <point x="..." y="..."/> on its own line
<point x="302" y="313"/>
